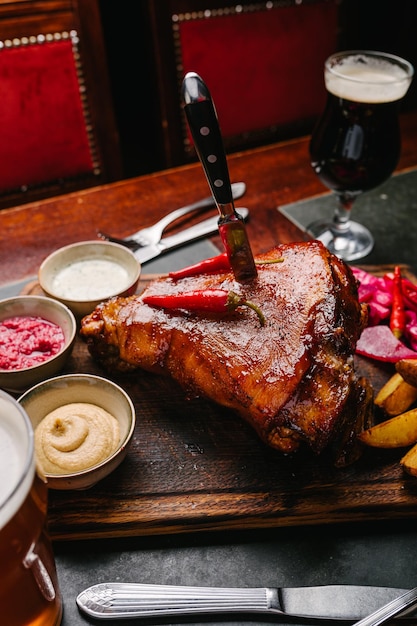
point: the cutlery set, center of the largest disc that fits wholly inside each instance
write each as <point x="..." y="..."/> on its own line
<point x="152" y="235"/>
<point x="148" y="243"/>
<point x="199" y="230"/>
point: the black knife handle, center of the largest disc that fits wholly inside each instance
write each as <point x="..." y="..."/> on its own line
<point x="205" y="130"/>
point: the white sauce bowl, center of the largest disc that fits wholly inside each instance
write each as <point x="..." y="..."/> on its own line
<point x="81" y="275"/>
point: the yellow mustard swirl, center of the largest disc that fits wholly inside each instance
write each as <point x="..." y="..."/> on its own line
<point x="75" y="437"/>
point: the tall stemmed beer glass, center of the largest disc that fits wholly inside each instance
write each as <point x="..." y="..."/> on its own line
<point x="356" y="143"/>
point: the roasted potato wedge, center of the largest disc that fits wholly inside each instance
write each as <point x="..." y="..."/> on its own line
<point x="407" y="368"/>
<point x="397" y="432"/>
<point x="409" y="461"/>
<point x="396" y="396"/>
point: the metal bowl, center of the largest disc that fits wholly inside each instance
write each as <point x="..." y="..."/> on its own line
<point x="45" y="397"/>
<point x="19" y="379"/>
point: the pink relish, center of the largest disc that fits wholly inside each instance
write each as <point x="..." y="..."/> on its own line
<point x="26" y="341"/>
<point x="377" y="340"/>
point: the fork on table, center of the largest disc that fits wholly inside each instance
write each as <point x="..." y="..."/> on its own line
<point x="153" y="234"/>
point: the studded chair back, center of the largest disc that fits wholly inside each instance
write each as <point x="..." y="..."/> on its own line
<point x="262" y="61"/>
<point x="57" y="127"/>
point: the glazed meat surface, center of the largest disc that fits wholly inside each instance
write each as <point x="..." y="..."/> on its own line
<point x="292" y="379"/>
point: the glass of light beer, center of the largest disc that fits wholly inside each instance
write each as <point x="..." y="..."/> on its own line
<point x="29" y="593"/>
<point x="356" y="143"/>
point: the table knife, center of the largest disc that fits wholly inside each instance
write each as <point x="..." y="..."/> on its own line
<point x="238" y="189"/>
<point x="328" y="602"/>
<point x="199" y="230"/>
<point x="205" y="130"/>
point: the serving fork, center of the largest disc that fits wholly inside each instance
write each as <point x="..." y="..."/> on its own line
<point x="153" y="234"/>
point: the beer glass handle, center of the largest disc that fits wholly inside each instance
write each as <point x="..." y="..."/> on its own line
<point x="33" y="562"/>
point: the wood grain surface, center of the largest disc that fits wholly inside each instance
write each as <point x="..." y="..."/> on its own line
<point x="275" y="175"/>
<point x="195" y="466"/>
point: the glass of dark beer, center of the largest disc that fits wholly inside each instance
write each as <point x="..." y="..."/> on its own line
<point x="356" y="143"/>
<point x="29" y="593"/>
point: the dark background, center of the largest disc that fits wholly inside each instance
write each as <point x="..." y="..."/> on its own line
<point x="386" y="25"/>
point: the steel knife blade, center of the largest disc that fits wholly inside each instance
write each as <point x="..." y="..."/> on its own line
<point x="328" y="602"/>
<point x="205" y="130"/>
<point x="199" y="230"/>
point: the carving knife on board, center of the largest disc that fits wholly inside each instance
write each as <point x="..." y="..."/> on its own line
<point x="328" y="602"/>
<point x="205" y="130"/>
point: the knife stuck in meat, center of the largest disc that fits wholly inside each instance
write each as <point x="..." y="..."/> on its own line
<point x="205" y="130"/>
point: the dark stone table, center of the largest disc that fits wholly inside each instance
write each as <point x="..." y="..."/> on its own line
<point x="373" y="553"/>
<point x="389" y="212"/>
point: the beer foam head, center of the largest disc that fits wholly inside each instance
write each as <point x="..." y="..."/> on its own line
<point x="367" y="77"/>
<point x="17" y="461"/>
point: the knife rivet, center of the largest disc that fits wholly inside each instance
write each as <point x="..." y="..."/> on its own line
<point x="211" y="158"/>
<point x="218" y="183"/>
<point x="204" y="130"/>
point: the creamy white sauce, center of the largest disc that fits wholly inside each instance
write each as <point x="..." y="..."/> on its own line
<point x="90" y="279"/>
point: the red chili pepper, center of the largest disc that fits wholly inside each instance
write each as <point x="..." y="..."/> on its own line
<point x="219" y="263"/>
<point x="397" y="319"/>
<point x="203" y="301"/>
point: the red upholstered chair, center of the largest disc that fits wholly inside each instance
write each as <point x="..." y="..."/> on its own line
<point x="262" y="61"/>
<point x="57" y="130"/>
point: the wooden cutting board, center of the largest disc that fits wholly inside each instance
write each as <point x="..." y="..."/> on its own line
<point x="195" y="466"/>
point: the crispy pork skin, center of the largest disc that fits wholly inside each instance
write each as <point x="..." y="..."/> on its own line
<point x="292" y="379"/>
